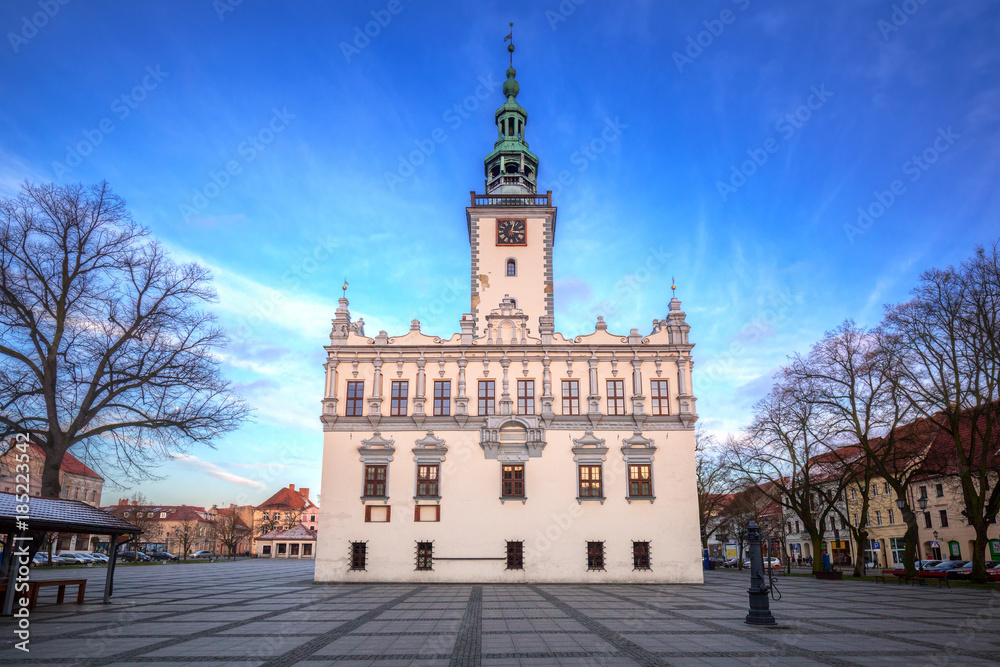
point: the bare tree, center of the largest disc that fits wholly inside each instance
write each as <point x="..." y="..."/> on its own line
<point x="714" y="483"/>
<point x="104" y="343"/>
<point x="950" y="336"/>
<point x="785" y="453"/>
<point x="854" y="376"/>
<point x="230" y="530"/>
<point x="138" y="512"/>
<point x="187" y="532"/>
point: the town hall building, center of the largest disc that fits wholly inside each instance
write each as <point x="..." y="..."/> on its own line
<point x="509" y="452"/>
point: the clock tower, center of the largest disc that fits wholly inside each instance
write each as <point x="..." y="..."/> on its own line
<point x="512" y="227"/>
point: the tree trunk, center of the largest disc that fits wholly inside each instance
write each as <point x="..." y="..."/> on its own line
<point x="978" y="574"/>
<point x="51" y="487"/>
<point x="861" y="539"/>
<point x="817" y="564"/>
<point x="910" y="548"/>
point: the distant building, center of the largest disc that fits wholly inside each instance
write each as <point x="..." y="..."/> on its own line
<point x="296" y="542"/>
<point x="168" y="527"/>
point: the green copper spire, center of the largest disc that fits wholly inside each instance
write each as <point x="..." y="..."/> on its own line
<point x="511" y="168"/>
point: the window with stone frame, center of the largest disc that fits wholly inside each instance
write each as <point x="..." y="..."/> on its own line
<point x="442" y="398"/>
<point x="589" y="478"/>
<point x="397" y="403"/>
<point x="616" y="397"/>
<point x="571" y="397"/>
<point x="512" y="480"/>
<point x="515" y="555"/>
<point x="659" y="397"/>
<point x="425" y="555"/>
<point x="943" y="515"/>
<point x="375" y="476"/>
<point x="487" y="397"/>
<point x="427" y="481"/>
<point x="640" y="480"/>
<point x="640" y="556"/>
<point x="359" y="555"/>
<point x="525" y="397"/>
<point x="355" y="398"/>
<point x="595" y="555"/>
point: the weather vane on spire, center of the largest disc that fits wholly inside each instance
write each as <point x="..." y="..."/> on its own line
<point x="345" y="286"/>
<point x="673" y="286"/>
<point x="510" y="47"/>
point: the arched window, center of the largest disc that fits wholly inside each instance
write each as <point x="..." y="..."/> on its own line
<point x="511" y="267"/>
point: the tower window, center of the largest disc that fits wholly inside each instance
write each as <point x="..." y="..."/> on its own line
<point x="511" y="267"/>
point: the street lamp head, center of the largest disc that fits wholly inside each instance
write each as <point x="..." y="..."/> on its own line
<point x="899" y="503"/>
<point x="935" y="534"/>
<point x="923" y="503"/>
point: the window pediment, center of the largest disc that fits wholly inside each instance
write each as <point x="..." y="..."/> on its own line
<point x="377" y="449"/>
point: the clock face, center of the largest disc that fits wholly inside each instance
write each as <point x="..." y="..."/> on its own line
<point x="511" y="232"/>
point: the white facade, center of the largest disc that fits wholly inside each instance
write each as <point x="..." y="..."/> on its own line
<point x="518" y="469"/>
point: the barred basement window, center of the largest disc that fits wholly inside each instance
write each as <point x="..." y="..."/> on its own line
<point x="375" y="481"/>
<point x="355" y="398"/>
<point x="442" y="398"/>
<point x="359" y="554"/>
<point x="515" y="555"/>
<point x="512" y="481"/>
<point x="425" y="555"/>
<point x="595" y="555"/>
<point x="616" y="397"/>
<point x="487" y="397"/>
<point x="640" y="556"/>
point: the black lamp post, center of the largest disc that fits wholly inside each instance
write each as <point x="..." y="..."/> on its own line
<point x="922" y="503"/>
<point x="760" y="611"/>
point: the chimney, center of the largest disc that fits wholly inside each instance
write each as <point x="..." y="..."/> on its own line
<point x="291" y="486"/>
<point x="123" y="502"/>
<point x="134" y="503"/>
<point x="305" y="493"/>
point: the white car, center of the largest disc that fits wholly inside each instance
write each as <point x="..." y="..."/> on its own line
<point x="775" y="563"/>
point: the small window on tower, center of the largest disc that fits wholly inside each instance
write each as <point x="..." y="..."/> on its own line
<point x="511" y="267"/>
<point x="495" y="171"/>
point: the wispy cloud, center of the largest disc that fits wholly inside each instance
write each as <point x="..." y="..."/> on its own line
<point x="215" y="471"/>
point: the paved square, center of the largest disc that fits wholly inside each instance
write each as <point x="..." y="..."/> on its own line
<point x="259" y="612"/>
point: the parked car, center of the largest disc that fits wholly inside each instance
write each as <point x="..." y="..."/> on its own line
<point x="204" y="553"/>
<point x="134" y="557"/>
<point x="775" y="563"/>
<point x="100" y="557"/>
<point x="73" y="558"/>
<point x="715" y="562"/>
<point x="965" y="571"/>
<point x="163" y="555"/>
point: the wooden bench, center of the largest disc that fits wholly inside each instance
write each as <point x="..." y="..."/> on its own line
<point x="34" y="586"/>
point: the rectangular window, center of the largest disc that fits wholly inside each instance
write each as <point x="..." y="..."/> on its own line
<point x="266" y="550"/>
<point x="660" y="403"/>
<point x="857" y="520"/>
<point x="854" y="494"/>
<point x="295" y="549"/>
<point x="571" y="397"/>
<point x="927" y="520"/>
<point x="797" y="529"/>
<point x="307" y="550"/>
<point x="944" y="518"/>
<point x="590" y="481"/>
<point x="897" y="545"/>
<point x="923" y="492"/>
<point x="616" y="397"/>
<point x="359" y="553"/>
<point x="640" y="556"/>
<point x="939" y="490"/>
<point x="874" y="490"/>
<point x="487" y="397"/>
<point x="512" y="481"/>
<point x="425" y="555"/>
<point x="885" y="487"/>
<point x="892" y="518"/>
<point x="442" y="398"/>
<point x="375" y="481"/>
<point x="515" y="555"/>
<point x="282" y="548"/>
<point x="595" y="555"/>
<point x="640" y="480"/>
<point x="397" y="404"/>
<point x="525" y="397"/>
<point x="427" y="481"/>
<point x="355" y="398"/>
<point x="878" y="517"/>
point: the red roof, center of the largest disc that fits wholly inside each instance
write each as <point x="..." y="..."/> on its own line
<point x="239" y="521"/>
<point x="174" y="512"/>
<point x="286" y="498"/>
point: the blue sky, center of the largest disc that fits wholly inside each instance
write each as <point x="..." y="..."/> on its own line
<point x="275" y="145"/>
